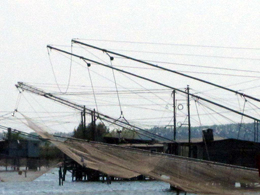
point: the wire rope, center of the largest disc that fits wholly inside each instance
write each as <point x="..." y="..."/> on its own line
<point x="118" y="98"/>
<point x="92" y="86"/>
<point x="213" y="89"/>
<point x="121" y="73"/>
<point x="187" y="54"/>
<point x="199" y="66"/>
<point x="218" y="113"/>
<point x="41" y="118"/>
<point x="199" y="72"/>
<point x="70" y="70"/>
<point x="55" y="78"/>
<point x="105" y="77"/>
<point x="172" y="44"/>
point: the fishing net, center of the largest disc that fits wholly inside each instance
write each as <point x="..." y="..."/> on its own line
<point x="187" y="174"/>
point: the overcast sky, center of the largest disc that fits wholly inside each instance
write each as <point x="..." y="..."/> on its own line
<point x="27" y="27"/>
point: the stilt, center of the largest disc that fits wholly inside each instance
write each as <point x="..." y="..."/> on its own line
<point x="177" y="190"/>
<point x="60" y="177"/>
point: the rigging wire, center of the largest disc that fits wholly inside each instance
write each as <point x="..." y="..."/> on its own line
<point x="213" y="89"/>
<point x="92" y="86"/>
<point x="145" y="89"/>
<point x="218" y="113"/>
<point x="164" y="112"/>
<point x="2" y="117"/>
<point x="70" y="70"/>
<point x="186" y="54"/>
<point x="197" y="72"/>
<point x="238" y="103"/>
<point x="55" y="78"/>
<point x="113" y="82"/>
<point x="254" y="87"/>
<point x="137" y="60"/>
<point x="198" y="112"/>
<point x="118" y="98"/>
<point x="41" y="118"/>
<point x="257" y="108"/>
<point x="31" y="106"/>
<point x="84" y="48"/>
<point x="199" y="66"/>
<point x="17" y="102"/>
<point x="227" y="101"/>
<point x="172" y="44"/>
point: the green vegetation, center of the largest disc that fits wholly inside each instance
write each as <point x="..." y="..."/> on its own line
<point x="87" y="133"/>
<point x="14" y="135"/>
<point x="124" y="133"/>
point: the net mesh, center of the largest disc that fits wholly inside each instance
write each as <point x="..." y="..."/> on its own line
<point x="187" y="174"/>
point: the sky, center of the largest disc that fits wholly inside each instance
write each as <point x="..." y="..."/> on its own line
<point x="221" y="35"/>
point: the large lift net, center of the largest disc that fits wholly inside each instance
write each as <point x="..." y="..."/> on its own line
<point x="187" y="174"/>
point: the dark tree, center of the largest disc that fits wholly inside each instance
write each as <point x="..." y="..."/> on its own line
<point x="87" y="133"/>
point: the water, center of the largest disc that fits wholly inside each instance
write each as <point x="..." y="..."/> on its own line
<point x="48" y="184"/>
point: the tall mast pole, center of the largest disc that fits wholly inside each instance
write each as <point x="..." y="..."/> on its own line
<point x="189" y="129"/>
<point x="174" y="114"/>
<point x="84" y="122"/>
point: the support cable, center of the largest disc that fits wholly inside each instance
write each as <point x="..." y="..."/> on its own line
<point x="17" y="102"/>
<point x="119" y="102"/>
<point x="55" y="78"/>
<point x="169" y="70"/>
<point x="156" y="82"/>
<point x="173" y="44"/>
<point x="71" y="50"/>
<point x="239" y="104"/>
<point x="70" y="70"/>
<point x="92" y="86"/>
<point x="258" y="108"/>
<point x="2" y="116"/>
<point x="198" y="112"/>
<point x="218" y="113"/>
<point x="122" y="74"/>
<point x="164" y="111"/>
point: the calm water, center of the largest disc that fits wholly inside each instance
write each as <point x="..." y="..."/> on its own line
<point x="48" y="184"/>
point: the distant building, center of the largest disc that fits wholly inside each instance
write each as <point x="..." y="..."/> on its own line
<point x="229" y="151"/>
<point x="13" y="150"/>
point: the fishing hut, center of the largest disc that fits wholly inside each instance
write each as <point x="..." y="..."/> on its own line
<point x="13" y="151"/>
<point x="228" y="151"/>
